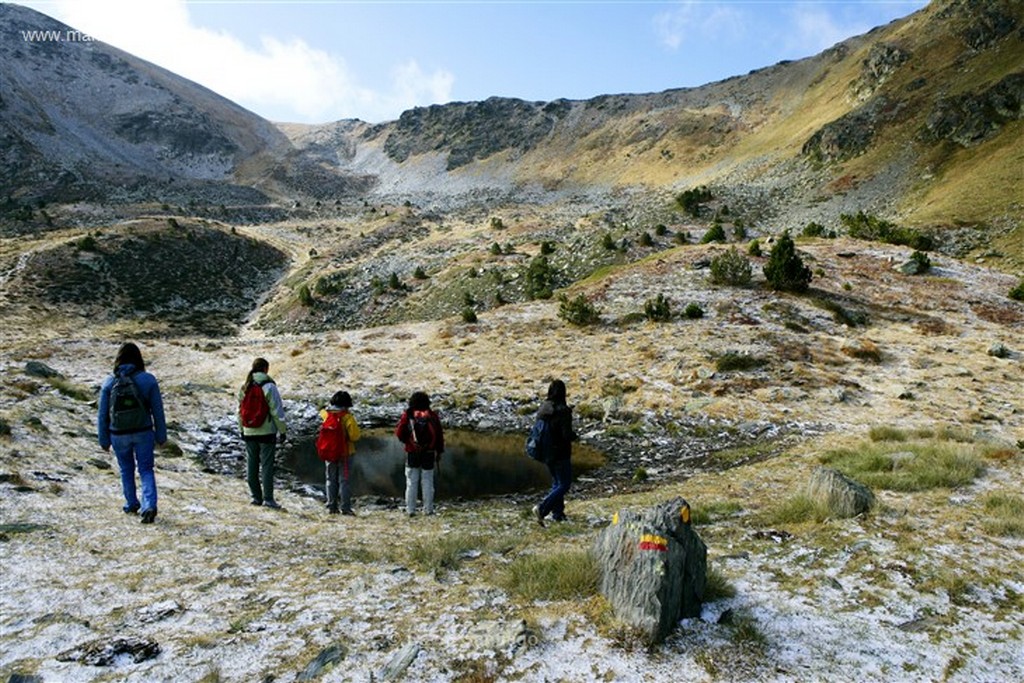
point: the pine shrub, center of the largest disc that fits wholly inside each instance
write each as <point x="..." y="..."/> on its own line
<point x="716" y="233"/>
<point x="731" y="268"/>
<point x="540" y="279"/>
<point x="785" y="270"/>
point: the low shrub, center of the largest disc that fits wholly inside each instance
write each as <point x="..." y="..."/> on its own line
<point x="921" y="261"/>
<point x="731" y="268"/>
<point x="578" y="311"/>
<point x="658" y="309"/>
<point x="1017" y="293"/>
<point x="305" y="296"/>
<point x="690" y="200"/>
<point x="540" y="279"/>
<point x="693" y="311"/>
<point x="866" y="227"/>
<point x="785" y="270"/>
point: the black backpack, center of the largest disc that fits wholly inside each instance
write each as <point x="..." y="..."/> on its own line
<point x="128" y="410"/>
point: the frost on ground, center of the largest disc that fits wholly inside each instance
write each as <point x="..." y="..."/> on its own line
<point x="914" y="591"/>
<point x="922" y="588"/>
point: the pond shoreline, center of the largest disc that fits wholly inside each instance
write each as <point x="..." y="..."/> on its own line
<point x="650" y="451"/>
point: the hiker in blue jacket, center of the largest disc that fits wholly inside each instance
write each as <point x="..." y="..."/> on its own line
<point x="559" y="416"/>
<point x="131" y="419"/>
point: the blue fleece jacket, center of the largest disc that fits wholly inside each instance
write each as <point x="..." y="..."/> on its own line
<point x="150" y="391"/>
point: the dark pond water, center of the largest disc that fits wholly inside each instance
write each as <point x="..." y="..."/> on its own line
<point x="474" y="465"/>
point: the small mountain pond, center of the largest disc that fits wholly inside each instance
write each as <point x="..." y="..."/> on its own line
<point x="474" y="465"/>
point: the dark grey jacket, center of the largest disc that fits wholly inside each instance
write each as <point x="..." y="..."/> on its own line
<point x="559" y="417"/>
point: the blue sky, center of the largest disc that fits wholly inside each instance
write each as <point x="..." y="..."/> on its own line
<point x="322" y="60"/>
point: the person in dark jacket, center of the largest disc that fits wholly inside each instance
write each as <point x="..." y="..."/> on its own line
<point x="420" y="430"/>
<point x="134" y="445"/>
<point x="559" y="415"/>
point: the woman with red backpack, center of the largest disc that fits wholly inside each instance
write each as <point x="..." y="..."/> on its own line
<point x="261" y="417"/>
<point x="420" y="430"/>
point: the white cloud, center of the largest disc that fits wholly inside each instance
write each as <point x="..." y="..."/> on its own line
<point x="708" y="21"/>
<point x="284" y="79"/>
<point x="814" y="29"/>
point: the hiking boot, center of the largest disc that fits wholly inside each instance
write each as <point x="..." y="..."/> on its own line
<point x="348" y="513"/>
<point x="274" y="505"/>
<point x="333" y="511"/>
<point x="148" y="516"/>
<point x="131" y="509"/>
<point x="538" y="515"/>
<point x="255" y="502"/>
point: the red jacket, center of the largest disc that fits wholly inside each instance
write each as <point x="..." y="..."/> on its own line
<point x="404" y="433"/>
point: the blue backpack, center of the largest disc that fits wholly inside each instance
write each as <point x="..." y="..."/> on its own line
<point x="538" y="443"/>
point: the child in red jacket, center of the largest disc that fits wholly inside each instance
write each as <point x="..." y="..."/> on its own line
<point x="420" y="430"/>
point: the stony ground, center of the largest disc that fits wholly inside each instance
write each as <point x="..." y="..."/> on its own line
<point x="920" y="589"/>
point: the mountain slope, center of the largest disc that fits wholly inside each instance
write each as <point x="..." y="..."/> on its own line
<point x="920" y="119"/>
<point x="78" y="115"/>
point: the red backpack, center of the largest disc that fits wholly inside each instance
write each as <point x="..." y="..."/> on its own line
<point x="332" y="441"/>
<point x="254" y="409"/>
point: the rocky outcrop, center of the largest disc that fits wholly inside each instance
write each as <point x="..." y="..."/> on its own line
<point x="970" y="118"/>
<point x="849" y="135"/>
<point x="475" y="130"/>
<point x="882" y="62"/>
<point x="984" y="22"/>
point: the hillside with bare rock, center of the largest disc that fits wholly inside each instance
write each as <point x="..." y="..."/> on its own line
<point x="813" y="272"/>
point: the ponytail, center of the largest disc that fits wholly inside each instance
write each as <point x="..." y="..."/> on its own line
<point x="258" y="365"/>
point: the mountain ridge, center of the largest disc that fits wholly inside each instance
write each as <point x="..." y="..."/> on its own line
<point x="906" y="103"/>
